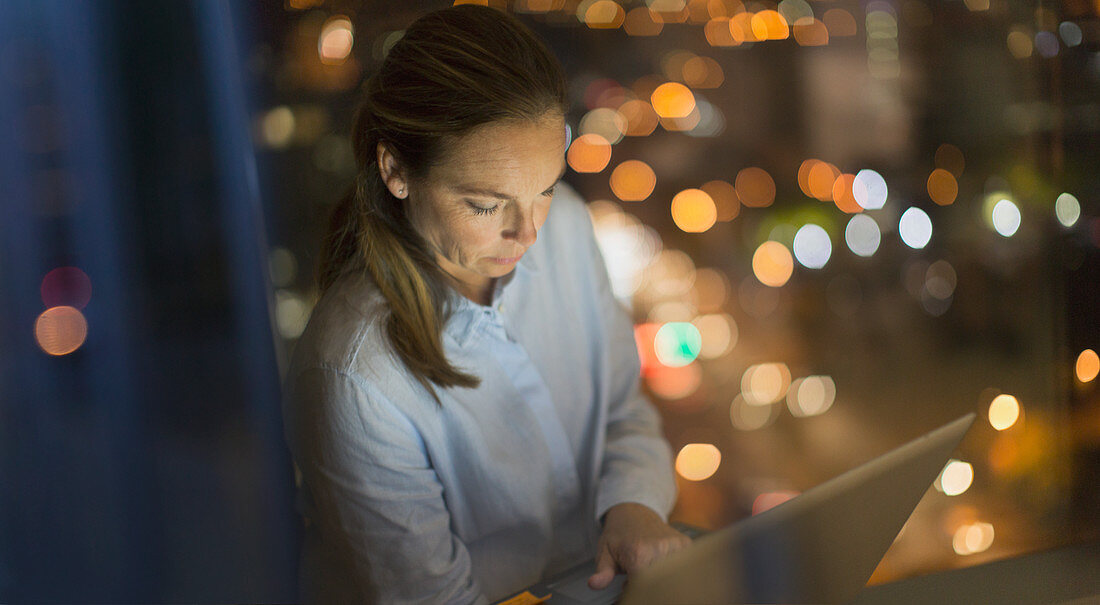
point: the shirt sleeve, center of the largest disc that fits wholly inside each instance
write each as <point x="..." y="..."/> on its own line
<point x="377" y="497"/>
<point x="637" y="461"/>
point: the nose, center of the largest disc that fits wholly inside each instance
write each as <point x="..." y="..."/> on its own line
<point x="522" y="226"/>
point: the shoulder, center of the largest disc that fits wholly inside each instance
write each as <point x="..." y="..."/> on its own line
<point x="346" y="331"/>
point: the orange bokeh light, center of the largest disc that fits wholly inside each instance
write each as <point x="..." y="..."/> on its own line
<point x="1087" y="366"/>
<point x="755" y="187"/>
<point x="60" y="330"/>
<point x="693" y="211"/>
<point x="641" y="22"/>
<point x="820" y="180"/>
<point x="811" y="32"/>
<point x="741" y="28"/>
<point x="770" y="25"/>
<point x="673" y="100"/>
<point x="772" y="264"/>
<point x="840" y="23"/>
<point x="717" y="32"/>
<point x="641" y="120"/>
<point x="843" y="195"/>
<point x="604" y="14"/>
<point x="725" y="199"/>
<point x="633" y="181"/>
<point x="942" y="187"/>
<point x="703" y="72"/>
<point x="589" y="153"/>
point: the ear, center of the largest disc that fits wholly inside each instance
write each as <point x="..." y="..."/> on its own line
<point x="392" y="174"/>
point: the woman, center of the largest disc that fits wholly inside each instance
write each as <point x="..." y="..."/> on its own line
<point x="464" y="405"/>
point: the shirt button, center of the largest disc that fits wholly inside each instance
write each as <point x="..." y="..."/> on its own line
<point x="500" y="307"/>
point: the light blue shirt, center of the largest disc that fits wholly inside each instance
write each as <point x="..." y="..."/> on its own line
<point x="407" y="501"/>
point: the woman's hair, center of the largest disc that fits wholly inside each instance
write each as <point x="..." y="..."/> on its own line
<point x="453" y="70"/>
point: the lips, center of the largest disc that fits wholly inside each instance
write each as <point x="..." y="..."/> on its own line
<point x="506" y="260"/>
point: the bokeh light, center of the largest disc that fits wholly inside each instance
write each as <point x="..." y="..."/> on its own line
<point x="726" y="203"/>
<point x="811" y="396"/>
<point x="1071" y="33"/>
<point x="862" y="235"/>
<point x="601" y="14"/>
<point x="291" y="314"/>
<point x="843" y="195"/>
<point x="60" y="330"/>
<point x="812" y="246"/>
<point x="1087" y="366"/>
<point x="1004" y="411"/>
<point x="627" y="246"/>
<point x="869" y="189"/>
<point x="604" y="121"/>
<point x="772" y="264"/>
<point x="1067" y="209"/>
<point x="746" y="417"/>
<point x="717" y="33"/>
<point x="698" y="461"/>
<point x="811" y="32"/>
<point x="276" y="127"/>
<point x="1019" y="43"/>
<point x="942" y="187"/>
<point x="677" y="344"/>
<point x="973" y="538"/>
<point x="740" y="26"/>
<point x="940" y="280"/>
<point x="718" y="332"/>
<point x="765" y="383"/>
<point x="840" y="23"/>
<point x="589" y="153"/>
<point x="703" y="72"/>
<point x="1006" y="218"/>
<point x="755" y="187"/>
<point x="770" y="25"/>
<point x="633" y="181"/>
<point x="640" y="118"/>
<point x="956" y="477"/>
<point x="915" y="228"/>
<point x="336" y="41"/>
<point x="671" y="383"/>
<point x="640" y="22"/>
<point x="820" y="179"/>
<point x="66" y="286"/>
<point x="672" y="100"/>
<point x="693" y="211"/>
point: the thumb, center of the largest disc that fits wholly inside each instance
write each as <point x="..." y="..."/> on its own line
<point x="605" y="570"/>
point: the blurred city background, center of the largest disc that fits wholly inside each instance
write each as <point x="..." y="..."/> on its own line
<point x="837" y="224"/>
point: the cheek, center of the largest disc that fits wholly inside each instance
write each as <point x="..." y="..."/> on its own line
<point x="475" y="236"/>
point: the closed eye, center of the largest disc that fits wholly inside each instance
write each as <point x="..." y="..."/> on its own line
<point x="482" y="210"/>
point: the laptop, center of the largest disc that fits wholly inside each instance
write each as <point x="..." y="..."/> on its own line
<point x="820" y="547"/>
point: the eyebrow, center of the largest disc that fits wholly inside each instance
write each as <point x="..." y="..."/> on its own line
<point x="504" y="196"/>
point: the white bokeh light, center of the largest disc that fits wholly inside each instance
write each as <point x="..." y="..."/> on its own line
<point x="915" y="228"/>
<point x="862" y="235"/>
<point x="812" y="246"/>
<point x="1006" y="218"/>
<point x="1067" y="209"/>
<point x="870" y="189"/>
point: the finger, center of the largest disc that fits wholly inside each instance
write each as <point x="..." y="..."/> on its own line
<point x="605" y="570"/>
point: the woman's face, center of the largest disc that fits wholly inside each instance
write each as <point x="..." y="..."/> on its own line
<point x="481" y="209"/>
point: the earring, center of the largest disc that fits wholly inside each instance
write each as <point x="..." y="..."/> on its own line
<point x="401" y="191"/>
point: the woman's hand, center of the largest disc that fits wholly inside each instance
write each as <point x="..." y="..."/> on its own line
<point x="633" y="538"/>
